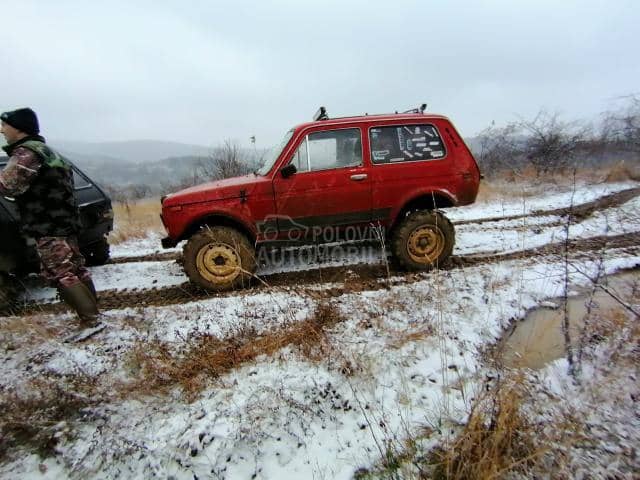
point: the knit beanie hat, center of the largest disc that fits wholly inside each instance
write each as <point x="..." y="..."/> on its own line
<point x="24" y="119"/>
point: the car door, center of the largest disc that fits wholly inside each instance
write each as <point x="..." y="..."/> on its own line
<point x="331" y="188"/>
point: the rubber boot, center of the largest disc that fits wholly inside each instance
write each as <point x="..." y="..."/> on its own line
<point x="80" y="298"/>
<point x="89" y="284"/>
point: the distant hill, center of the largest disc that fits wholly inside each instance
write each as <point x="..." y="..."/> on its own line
<point x="134" y="151"/>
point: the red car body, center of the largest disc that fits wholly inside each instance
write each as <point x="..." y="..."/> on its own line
<point x="271" y="206"/>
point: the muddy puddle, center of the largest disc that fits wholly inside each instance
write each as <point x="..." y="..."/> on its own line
<point x="538" y="339"/>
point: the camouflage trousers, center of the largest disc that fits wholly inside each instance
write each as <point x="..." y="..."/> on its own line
<point x="62" y="264"/>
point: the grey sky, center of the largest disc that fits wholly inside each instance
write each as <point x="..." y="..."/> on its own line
<point x="202" y="71"/>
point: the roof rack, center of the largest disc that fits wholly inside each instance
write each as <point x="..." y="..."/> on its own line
<point x="321" y="114"/>
<point x="420" y="109"/>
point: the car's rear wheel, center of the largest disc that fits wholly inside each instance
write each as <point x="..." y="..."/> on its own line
<point x="97" y="253"/>
<point x="423" y="240"/>
<point x="219" y="258"/>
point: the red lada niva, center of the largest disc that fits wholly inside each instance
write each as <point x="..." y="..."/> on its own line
<point x="394" y="172"/>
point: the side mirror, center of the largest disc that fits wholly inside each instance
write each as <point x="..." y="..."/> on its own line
<point x="288" y="170"/>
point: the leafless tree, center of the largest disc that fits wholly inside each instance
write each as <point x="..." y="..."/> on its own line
<point x="621" y="128"/>
<point x="551" y="144"/>
<point x="500" y="148"/>
<point x="225" y="161"/>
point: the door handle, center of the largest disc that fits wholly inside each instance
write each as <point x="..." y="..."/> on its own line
<point x="358" y="176"/>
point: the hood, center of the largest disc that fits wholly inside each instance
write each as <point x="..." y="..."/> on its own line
<point x="211" y="191"/>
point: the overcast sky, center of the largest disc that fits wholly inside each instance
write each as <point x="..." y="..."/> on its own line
<point x="202" y="71"/>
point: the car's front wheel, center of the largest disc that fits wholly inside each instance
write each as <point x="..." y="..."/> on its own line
<point x="219" y="258"/>
<point x="423" y="240"/>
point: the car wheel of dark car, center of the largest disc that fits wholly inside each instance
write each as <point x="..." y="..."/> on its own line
<point x="423" y="240"/>
<point x="96" y="253"/>
<point x="219" y="258"/>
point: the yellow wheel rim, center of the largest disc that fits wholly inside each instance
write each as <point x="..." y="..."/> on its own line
<point x="218" y="263"/>
<point x="425" y="244"/>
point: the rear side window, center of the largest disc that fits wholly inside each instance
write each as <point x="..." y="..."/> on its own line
<point x="405" y="143"/>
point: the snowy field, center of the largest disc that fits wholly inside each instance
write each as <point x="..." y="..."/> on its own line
<point x="400" y="358"/>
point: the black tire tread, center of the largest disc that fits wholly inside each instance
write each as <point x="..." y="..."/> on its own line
<point x="408" y="224"/>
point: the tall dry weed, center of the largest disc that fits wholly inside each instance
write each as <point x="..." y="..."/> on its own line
<point x="135" y="219"/>
<point x="497" y="439"/>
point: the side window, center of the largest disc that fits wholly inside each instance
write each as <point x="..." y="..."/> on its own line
<point x="327" y="150"/>
<point x="405" y="143"/>
<point x="79" y="181"/>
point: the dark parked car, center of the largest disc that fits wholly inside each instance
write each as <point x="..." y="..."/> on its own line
<point x="17" y="252"/>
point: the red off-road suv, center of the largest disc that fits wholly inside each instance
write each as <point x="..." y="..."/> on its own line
<point x="392" y="171"/>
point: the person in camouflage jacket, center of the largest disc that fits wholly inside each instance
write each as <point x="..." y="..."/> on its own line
<point x="41" y="181"/>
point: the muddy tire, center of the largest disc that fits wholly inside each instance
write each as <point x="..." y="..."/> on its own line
<point x="219" y="258"/>
<point x="423" y="240"/>
<point x="97" y="253"/>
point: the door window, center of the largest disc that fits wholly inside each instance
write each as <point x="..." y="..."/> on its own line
<point x="327" y="150"/>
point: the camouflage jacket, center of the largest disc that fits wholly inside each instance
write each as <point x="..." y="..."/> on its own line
<point x="41" y="180"/>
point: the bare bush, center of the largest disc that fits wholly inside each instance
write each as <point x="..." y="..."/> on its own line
<point x="500" y="148"/>
<point x="620" y="128"/>
<point x="225" y="161"/>
<point x="551" y="144"/>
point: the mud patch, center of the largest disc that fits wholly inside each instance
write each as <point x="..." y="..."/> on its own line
<point x="539" y="338"/>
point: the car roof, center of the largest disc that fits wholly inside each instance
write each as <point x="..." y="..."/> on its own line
<point x="382" y="118"/>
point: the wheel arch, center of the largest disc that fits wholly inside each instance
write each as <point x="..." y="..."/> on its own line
<point x="218" y="220"/>
<point x="425" y="201"/>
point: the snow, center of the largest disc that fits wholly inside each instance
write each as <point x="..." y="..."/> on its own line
<point x="140" y="247"/>
<point x="414" y="350"/>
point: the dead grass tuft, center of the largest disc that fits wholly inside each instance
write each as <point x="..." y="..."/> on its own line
<point x="135" y="220"/>
<point x="497" y="439"/>
<point x="204" y="357"/>
<point x="36" y="416"/>
<point x="621" y="172"/>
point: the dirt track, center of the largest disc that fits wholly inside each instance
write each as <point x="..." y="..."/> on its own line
<point x="577" y="212"/>
<point x="359" y="277"/>
<point x="351" y="278"/>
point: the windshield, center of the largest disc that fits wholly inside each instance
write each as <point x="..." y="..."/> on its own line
<point x="273" y="154"/>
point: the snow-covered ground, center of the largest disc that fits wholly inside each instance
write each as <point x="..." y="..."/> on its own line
<point x="402" y="357"/>
<point x="489" y="237"/>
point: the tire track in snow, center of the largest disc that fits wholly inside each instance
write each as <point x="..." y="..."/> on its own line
<point x="353" y="278"/>
<point x="578" y="212"/>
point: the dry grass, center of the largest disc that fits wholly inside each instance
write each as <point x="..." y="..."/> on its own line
<point x="135" y="220"/>
<point x="497" y="439"/>
<point x="35" y="416"/>
<point x="28" y="330"/>
<point x="399" y="338"/>
<point x="162" y="366"/>
<point x="525" y="183"/>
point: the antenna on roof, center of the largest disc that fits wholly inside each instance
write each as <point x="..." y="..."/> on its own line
<point x="420" y="109"/>
<point x="321" y="114"/>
